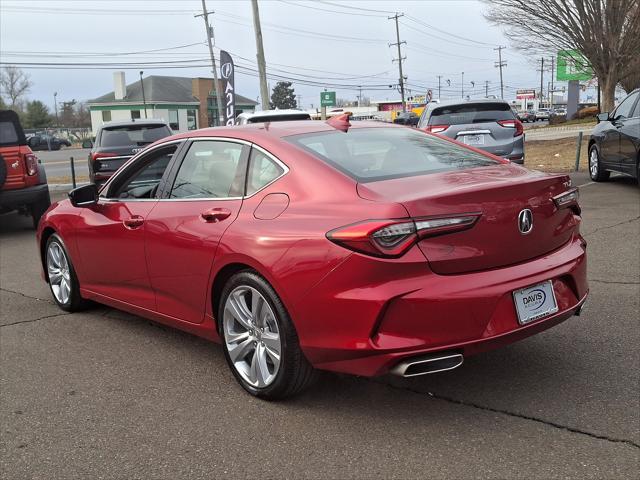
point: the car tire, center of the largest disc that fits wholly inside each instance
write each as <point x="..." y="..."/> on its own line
<point x="38" y="208"/>
<point x="596" y="172"/>
<point x="3" y="171"/>
<point x="261" y="347"/>
<point x="65" y="288"/>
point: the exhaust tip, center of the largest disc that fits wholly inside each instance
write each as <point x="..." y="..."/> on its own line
<point x="428" y="364"/>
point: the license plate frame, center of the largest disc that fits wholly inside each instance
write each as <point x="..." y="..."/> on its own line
<point x="535" y="302"/>
<point x="473" y="139"/>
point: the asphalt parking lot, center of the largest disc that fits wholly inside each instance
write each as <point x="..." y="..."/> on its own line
<point x="105" y="394"/>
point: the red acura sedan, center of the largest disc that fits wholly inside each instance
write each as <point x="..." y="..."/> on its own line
<point x="365" y="248"/>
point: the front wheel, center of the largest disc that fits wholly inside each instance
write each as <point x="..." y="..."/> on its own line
<point x="596" y="172"/>
<point x="63" y="281"/>
<point x="259" y="340"/>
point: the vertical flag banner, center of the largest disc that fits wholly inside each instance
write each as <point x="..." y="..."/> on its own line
<point x="228" y="76"/>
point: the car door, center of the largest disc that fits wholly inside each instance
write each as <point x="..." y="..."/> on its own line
<point x="629" y="138"/>
<point x="610" y="143"/>
<point x="110" y="236"/>
<point x="184" y="229"/>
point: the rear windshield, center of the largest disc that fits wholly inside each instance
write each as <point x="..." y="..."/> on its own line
<point x="470" y="113"/>
<point x="8" y="134"/>
<point x="371" y="154"/>
<point x="133" y="135"/>
<point x="280" y="118"/>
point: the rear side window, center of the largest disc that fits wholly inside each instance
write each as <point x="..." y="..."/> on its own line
<point x="371" y="154"/>
<point x="210" y="169"/>
<point x="467" y="113"/>
<point x="8" y="134"/>
<point x="262" y="171"/>
<point x="138" y="135"/>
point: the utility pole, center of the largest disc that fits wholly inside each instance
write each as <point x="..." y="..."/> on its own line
<point x="552" y="75"/>
<point x="216" y="87"/>
<point x="486" y="89"/>
<point x="400" y="58"/>
<point x="439" y="77"/>
<point x="499" y="64"/>
<point x="541" y="79"/>
<point x="462" y="84"/>
<point x="262" y="67"/>
<point x="359" y="95"/>
<point x="55" y="103"/>
<point x="144" y="100"/>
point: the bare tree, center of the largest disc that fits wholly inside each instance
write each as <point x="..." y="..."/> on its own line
<point x="606" y="32"/>
<point x="14" y="84"/>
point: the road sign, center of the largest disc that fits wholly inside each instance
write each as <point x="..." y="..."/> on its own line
<point x="328" y="99"/>
<point x="573" y="66"/>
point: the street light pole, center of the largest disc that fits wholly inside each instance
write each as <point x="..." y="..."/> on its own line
<point x="144" y="100"/>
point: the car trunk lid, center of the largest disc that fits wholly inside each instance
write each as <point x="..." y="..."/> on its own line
<point x="499" y="194"/>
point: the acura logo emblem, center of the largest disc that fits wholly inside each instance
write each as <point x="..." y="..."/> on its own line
<point x="226" y="70"/>
<point x="525" y="221"/>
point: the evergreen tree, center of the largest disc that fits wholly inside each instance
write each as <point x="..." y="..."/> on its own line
<point x="36" y="115"/>
<point x="282" y="96"/>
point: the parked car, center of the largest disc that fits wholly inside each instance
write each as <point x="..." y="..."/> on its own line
<point x="363" y="249"/>
<point x="271" y="116"/>
<point x="489" y="125"/>
<point x="614" y="145"/>
<point x="543" y="114"/>
<point x="407" y="118"/>
<point x="23" y="181"/>
<point x="117" y="142"/>
<point x="47" y="142"/>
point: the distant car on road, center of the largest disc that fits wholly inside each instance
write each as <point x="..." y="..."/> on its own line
<point x="614" y="145"/>
<point x="407" y="118"/>
<point x="47" y="142"/>
<point x="23" y="182"/>
<point x="117" y="142"/>
<point x="543" y="114"/>
<point x="489" y="125"/>
<point x="271" y="116"/>
<point x="527" y="116"/>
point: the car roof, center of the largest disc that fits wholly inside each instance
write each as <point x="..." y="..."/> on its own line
<point x="130" y="123"/>
<point x="448" y="103"/>
<point x="271" y="113"/>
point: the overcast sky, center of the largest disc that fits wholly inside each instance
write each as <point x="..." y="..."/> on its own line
<point x="329" y="42"/>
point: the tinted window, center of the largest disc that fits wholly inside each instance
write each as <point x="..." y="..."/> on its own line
<point x="8" y="134"/>
<point x="133" y="135"/>
<point x="210" y="170"/>
<point x="142" y="180"/>
<point x="471" y="113"/>
<point x="262" y="171"/>
<point x="280" y="118"/>
<point x="625" y="108"/>
<point x="370" y="154"/>
<point x="636" y="112"/>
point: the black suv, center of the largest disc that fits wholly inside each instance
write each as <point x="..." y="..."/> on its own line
<point x="614" y="145"/>
<point x="407" y="118"/>
<point x="47" y="142"/>
<point x="117" y="142"/>
<point x="23" y="182"/>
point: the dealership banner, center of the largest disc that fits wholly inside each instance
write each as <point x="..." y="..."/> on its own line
<point x="228" y="76"/>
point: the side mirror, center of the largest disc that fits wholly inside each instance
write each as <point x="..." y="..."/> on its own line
<point x="85" y="196"/>
<point x="87" y="144"/>
<point x="603" y="117"/>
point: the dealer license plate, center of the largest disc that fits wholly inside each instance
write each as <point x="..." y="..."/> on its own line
<point x="535" y="302"/>
<point x="474" y="139"/>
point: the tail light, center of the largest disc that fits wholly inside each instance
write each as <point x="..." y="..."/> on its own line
<point x="568" y="199"/>
<point x="392" y="238"/>
<point x="515" y="123"/>
<point x="96" y="156"/>
<point x="31" y="162"/>
<point x="436" y="128"/>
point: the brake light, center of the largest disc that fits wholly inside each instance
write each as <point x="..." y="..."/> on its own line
<point x="515" y="123"/>
<point x="568" y="199"/>
<point x="31" y="162"/>
<point x="436" y="128"/>
<point x="392" y="238"/>
<point x="96" y="156"/>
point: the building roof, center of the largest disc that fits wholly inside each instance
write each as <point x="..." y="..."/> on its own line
<point x="160" y="89"/>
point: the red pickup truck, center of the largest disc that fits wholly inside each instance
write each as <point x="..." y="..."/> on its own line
<point x="23" y="182"/>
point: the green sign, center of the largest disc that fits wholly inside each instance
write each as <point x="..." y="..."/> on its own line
<point x="573" y="66"/>
<point x="328" y="99"/>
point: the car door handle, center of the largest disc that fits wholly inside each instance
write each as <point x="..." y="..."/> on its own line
<point x="134" y="222"/>
<point x="215" y="215"/>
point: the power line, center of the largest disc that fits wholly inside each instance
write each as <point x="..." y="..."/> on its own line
<point x="416" y="20"/>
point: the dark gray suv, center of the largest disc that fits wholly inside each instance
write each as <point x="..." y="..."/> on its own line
<point x="489" y="125"/>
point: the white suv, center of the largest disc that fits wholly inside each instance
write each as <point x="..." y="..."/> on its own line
<point x="271" y="116"/>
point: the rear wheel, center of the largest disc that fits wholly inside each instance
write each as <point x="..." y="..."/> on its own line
<point x="596" y="172"/>
<point x="63" y="281"/>
<point x="259" y="340"/>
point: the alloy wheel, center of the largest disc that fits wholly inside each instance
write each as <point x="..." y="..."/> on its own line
<point x="59" y="274"/>
<point x="593" y="162"/>
<point x="252" y="336"/>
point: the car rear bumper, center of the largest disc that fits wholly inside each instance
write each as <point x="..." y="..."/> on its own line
<point x="11" y="199"/>
<point x="370" y="329"/>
